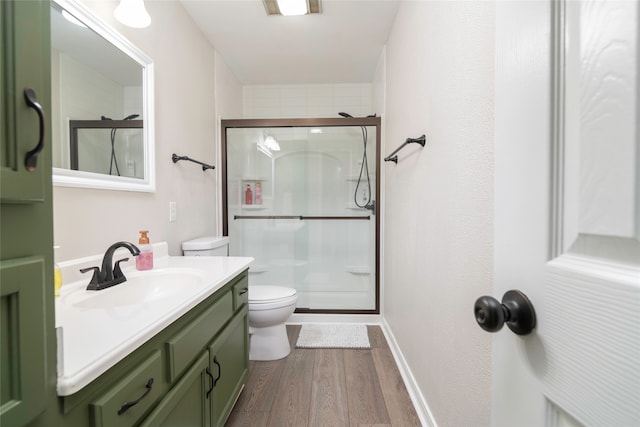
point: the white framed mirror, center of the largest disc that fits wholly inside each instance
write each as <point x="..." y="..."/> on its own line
<point x="102" y="104"/>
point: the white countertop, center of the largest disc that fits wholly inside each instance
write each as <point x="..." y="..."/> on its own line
<point x="93" y="339"/>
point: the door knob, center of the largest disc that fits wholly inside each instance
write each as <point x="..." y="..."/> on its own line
<point x="515" y="310"/>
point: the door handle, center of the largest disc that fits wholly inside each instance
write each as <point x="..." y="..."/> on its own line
<point x="31" y="158"/>
<point x="515" y="310"/>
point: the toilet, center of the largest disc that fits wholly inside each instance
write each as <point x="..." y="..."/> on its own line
<point x="269" y="306"/>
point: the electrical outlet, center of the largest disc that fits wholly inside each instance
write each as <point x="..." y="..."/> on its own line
<point x="173" y="211"/>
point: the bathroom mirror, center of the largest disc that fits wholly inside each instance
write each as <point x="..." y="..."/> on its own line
<point x="102" y="104"/>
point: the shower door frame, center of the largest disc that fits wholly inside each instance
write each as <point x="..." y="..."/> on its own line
<point x="311" y="122"/>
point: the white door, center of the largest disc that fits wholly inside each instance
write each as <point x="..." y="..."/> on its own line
<point x="567" y="212"/>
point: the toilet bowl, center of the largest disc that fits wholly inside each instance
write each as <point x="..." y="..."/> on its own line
<point x="269" y="306"/>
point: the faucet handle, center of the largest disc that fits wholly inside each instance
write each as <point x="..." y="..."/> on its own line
<point x="96" y="273"/>
<point x="117" y="271"/>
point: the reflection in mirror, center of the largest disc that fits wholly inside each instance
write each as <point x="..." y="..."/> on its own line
<point x="102" y="121"/>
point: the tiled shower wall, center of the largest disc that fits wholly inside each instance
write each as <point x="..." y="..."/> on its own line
<point x="318" y="100"/>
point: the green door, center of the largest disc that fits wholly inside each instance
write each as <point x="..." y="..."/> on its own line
<point x="23" y="342"/>
<point x="229" y="361"/>
<point x="187" y="404"/>
<point x="24" y="66"/>
<point x="27" y="338"/>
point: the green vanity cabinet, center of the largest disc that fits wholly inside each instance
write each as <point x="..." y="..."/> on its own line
<point x="27" y="338"/>
<point x="188" y="374"/>
<point x="206" y="393"/>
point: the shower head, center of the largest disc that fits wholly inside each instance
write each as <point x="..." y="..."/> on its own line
<point x="345" y="115"/>
<point x="132" y="116"/>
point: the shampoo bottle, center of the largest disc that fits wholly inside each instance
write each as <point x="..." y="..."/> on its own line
<point x="248" y="196"/>
<point x="144" y="261"/>
<point x="258" y="195"/>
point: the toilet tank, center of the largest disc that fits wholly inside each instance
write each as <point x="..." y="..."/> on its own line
<point x="206" y="246"/>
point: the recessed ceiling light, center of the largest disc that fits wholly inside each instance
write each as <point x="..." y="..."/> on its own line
<point x="291" y="7"/>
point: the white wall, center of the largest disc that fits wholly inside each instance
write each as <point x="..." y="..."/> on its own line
<point x="312" y="100"/>
<point x="438" y="202"/>
<point x="88" y="221"/>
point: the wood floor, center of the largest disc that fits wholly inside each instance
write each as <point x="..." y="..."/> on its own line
<point x="326" y="387"/>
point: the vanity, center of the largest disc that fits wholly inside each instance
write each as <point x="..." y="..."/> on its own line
<point x="167" y="347"/>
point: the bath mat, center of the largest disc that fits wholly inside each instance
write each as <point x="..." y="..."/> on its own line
<point x="333" y="336"/>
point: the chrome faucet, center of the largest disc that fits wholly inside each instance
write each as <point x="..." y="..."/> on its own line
<point x="110" y="275"/>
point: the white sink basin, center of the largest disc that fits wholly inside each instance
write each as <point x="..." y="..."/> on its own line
<point x="140" y="288"/>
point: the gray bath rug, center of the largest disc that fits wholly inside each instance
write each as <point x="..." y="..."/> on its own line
<point x="332" y="335"/>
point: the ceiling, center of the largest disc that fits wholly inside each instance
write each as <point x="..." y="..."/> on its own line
<point x="342" y="44"/>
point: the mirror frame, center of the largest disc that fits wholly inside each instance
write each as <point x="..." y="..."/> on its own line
<point x="79" y="179"/>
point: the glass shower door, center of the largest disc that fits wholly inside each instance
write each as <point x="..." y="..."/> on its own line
<point x="301" y="201"/>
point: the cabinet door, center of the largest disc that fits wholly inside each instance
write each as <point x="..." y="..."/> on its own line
<point x="188" y="403"/>
<point x="229" y="361"/>
<point x="24" y="64"/>
<point x="22" y="341"/>
<point x="27" y="339"/>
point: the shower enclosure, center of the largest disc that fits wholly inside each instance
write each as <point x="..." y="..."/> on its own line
<point x="300" y="196"/>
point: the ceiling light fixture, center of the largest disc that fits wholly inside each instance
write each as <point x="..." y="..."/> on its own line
<point x="132" y="13"/>
<point x="291" y="7"/>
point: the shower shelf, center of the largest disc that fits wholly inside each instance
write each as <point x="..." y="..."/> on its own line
<point x="355" y="208"/>
<point x="254" y="207"/>
<point x="358" y="269"/>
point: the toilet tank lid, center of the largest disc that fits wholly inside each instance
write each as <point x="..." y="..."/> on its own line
<point x="267" y="293"/>
<point x="205" y="243"/>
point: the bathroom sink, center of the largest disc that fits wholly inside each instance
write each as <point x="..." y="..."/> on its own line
<point x="140" y="288"/>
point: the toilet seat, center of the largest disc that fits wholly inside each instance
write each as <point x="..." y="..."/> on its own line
<point x="264" y="297"/>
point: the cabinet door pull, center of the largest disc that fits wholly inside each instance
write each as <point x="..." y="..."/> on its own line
<point x="243" y="291"/>
<point x="215" y="360"/>
<point x="32" y="156"/>
<point x="211" y="381"/>
<point x="128" y="405"/>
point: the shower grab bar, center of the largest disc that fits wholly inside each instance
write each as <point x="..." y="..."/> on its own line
<point x="177" y="158"/>
<point x="393" y="158"/>
<point x="303" y="217"/>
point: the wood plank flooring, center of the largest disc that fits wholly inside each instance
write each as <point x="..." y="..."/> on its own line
<point x="326" y="387"/>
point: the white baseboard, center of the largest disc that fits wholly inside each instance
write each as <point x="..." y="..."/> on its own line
<point x="419" y="403"/>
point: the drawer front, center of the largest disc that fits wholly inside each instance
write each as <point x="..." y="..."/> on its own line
<point x="188" y="343"/>
<point x="123" y="404"/>
<point x="240" y="293"/>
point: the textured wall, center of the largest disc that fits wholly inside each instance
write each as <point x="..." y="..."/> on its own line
<point x="439" y="200"/>
<point x="87" y="221"/>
